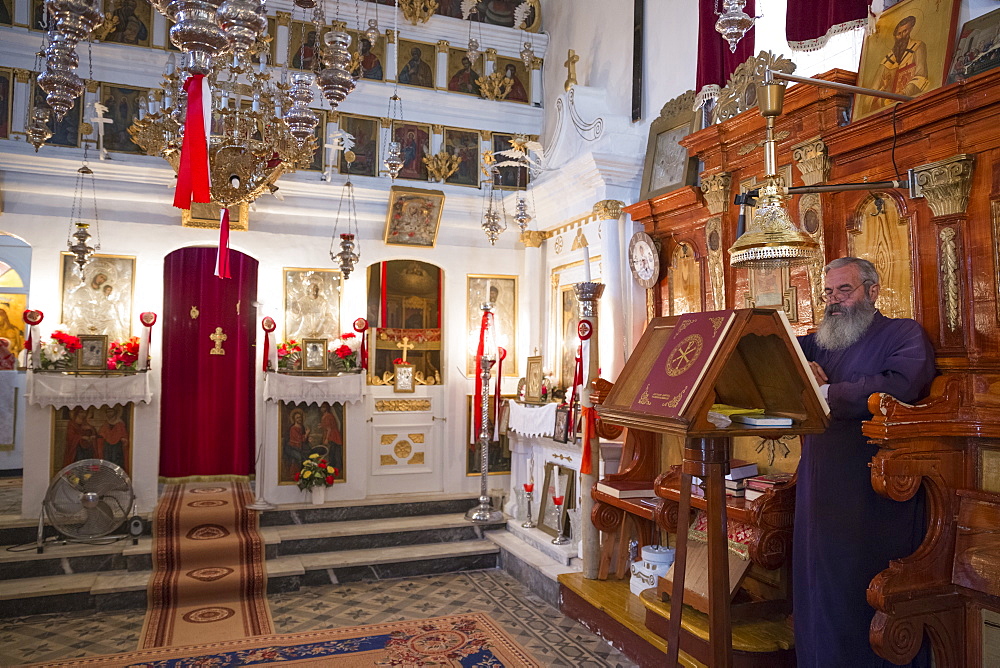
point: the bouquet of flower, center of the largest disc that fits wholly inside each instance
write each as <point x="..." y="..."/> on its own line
<point x="289" y="355"/>
<point x="58" y="352"/>
<point x="315" y="472"/>
<point x="346" y="350"/>
<point x="124" y="355"/>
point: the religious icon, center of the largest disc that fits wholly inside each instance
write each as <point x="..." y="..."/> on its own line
<point x="312" y="303"/>
<point x="366" y="135"/>
<point x="519" y="77"/>
<point x="533" y="380"/>
<point x="404" y="299"/>
<point x="416" y="63"/>
<point x="12" y="321"/>
<point x="907" y="53"/>
<point x="304" y="45"/>
<point x="100" y="303"/>
<point x="207" y="216"/>
<point x="560" y="431"/>
<point x="122" y="103"/>
<point x="403" y="380"/>
<point x="501" y="291"/>
<point x="314" y="356"/>
<point x="414" y="216"/>
<point x="462" y="75"/>
<point x="667" y="165"/>
<point x="94" y="353"/>
<point x="466" y="145"/>
<point x="570" y="340"/>
<point x="129" y="20"/>
<point x="978" y="47"/>
<point x="559" y="482"/>
<point x="369" y="57"/>
<point x="414" y="142"/>
<point x="92" y="432"/>
<point x="306" y="429"/>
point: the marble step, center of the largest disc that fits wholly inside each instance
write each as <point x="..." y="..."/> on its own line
<point x="373" y="507"/>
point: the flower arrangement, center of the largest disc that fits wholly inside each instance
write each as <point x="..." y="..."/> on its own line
<point x="315" y="472"/>
<point x="59" y="351"/>
<point x="399" y="360"/>
<point x="345" y="350"/>
<point x="124" y="355"/>
<point x="289" y="355"/>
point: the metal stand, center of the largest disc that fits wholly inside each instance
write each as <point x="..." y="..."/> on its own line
<point x="562" y="538"/>
<point x="529" y="523"/>
<point x="260" y="503"/>
<point x="484" y="513"/>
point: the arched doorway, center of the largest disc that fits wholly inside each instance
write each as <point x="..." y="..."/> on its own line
<point x="208" y="381"/>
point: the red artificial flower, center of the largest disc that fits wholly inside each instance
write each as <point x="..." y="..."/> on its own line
<point x="329" y="480"/>
<point x="343" y="351"/>
<point x="297" y="476"/>
<point x="348" y="335"/>
<point x="69" y="342"/>
<point x="322" y="463"/>
<point x="399" y="360"/>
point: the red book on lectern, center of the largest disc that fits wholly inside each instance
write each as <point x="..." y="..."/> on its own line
<point x="682" y="362"/>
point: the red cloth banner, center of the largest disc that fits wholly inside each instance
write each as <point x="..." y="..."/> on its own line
<point x="484" y="327"/>
<point x="361" y="326"/>
<point x="716" y="63"/>
<point x="588" y="433"/>
<point x="222" y="259"/>
<point x="268" y="325"/>
<point x="501" y="354"/>
<point x="192" y="174"/>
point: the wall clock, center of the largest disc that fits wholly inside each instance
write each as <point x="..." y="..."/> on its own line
<point x="644" y="259"/>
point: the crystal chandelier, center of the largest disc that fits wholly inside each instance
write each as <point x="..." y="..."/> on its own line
<point x="494" y="218"/>
<point x="393" y="161"/>
<point x="349" y="252"/>
<point x="474" y="52"/>
<point x="335" y="79"/>
<point x="772" y="239"/>
<point x="78" y="239"/>
<point x="37" y="127"/>
<point x="521" y="215"/>
<point x="733" y="22"/>
<point x="70" y="22"/>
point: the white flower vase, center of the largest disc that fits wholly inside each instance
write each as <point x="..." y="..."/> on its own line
<point x="318" y="495"/>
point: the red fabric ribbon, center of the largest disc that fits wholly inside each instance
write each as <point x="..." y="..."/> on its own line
<point x="361" y="326"/>
<point x="577" y="381"/>
<point x="589" y="426"/>
<point x="192" y="174"/>
<point x="33" y="318"/>
<point x="268" y="325"/>
<point x="222" y="261"/>
<point x="501" y="354"/>
<point x="383" y="305"/>
<point x="487" y="322"/>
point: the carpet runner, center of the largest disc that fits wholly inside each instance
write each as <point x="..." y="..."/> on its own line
<point x="466" y="640"/>
<point x="209" y="581"/>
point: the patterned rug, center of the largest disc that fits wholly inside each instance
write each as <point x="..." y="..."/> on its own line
<point x="457" y="640"/>
<point x="209" y="580"/>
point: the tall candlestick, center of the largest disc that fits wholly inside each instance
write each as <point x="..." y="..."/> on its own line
<point x="556" y="470"/>
<point x="586" y="264"/>
<point x="531" y="470"/>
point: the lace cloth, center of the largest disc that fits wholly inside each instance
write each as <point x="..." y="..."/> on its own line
<point x="532" y="420"/>
<point x="61" y="390"/>
<point x="314" y="389"/>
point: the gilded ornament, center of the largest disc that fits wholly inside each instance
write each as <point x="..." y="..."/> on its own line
<point x="442" y="45"/>
<point x="402" y="449"/>
<point x="608" y="209"/>
<point x="715" y="189"/>
<point x="388" y="439"/>
<point x="194" y="313"/>
<point x="22" y="75"/>
<point x="418" y="11"/>
<point x="571" y="60"/>
<point x="754" y="145"/>
<point x="491" y="55"/>
<point x="812" y="160"/>
<point x="283" y="18"/>
<point x="217" y="337"/>
<point x="402" y="405"/>
<point x="945" y="184"/>
<point x="417" y="438"/>
<point x="387" y="460"/>
<point x="949" y="277"/>
<point x="417" y="458"/>
<point x="740" y="92"/>
<point x="390" y="36"/>
<point x="442" y="165"/>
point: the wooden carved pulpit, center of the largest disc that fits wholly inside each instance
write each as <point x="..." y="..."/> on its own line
<point x="683" y="365"/>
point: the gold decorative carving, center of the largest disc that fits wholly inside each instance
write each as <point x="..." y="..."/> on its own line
<point x="536" y="63"/>
<point x="559" y="244"/>
<point x="534" y="238"/>
<point x="387" y="460"/>
<point x="571" y="60"/>
<point x="554" y="280"/>
<point x="194" y="313"/>
<point x="417" y="458"/>
<point x="882" y="234"/>
<point x="86" y="129"/>
<point x="752" y="146"/>
<point x="420" y="379"/>
<point x="402" y="405"/>
<point x="740" y="92"/>
<point x="579" y="241"/>
<point x="218" y="337"/>
<point x="608" y="209"/>
<point x="283" y="18"/>
<point x="495" y="86"/>
<point x="22" y="76"/>
<point x="811" y="221"/>
<point x="417" y="438"/>
<point x="437" y="129"/>
<point x="812" y="160"/>
<point x="385" y="379"/>
<point x="558" y="455"/>
<point x="402" y="449"/>
<point x="486" y="135"/>
<point x="945" y="184"/>
<point x="442" y="45"/>
<point x="442" y="165"/>
<point x="536" y="23"/>
<point x="388" y="439"/>
<point x="390" y="36"/>
<point x="92" y="85"/>
<point x="650" y="304"/>
<point x="491" y="55"/>
<point x="716" y="272"/>
<point x="385" y="123"/>
<point x="333" y="116"/>
<point x="949" y="278"/>
<point x="715" y="189"/>
<point x="418" y="11"/>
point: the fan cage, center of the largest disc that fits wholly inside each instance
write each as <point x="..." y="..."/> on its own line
<point x="89" y="499"/>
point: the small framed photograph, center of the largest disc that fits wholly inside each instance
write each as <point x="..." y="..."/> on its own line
<point x="560" y="432"/>
<point x="667" y="165"/>
<point x="402" y="380"/>
<point x="550" y="516"/>
<point x="533" y="381"/>
<point x="314" y="357"/>
<point x="93" y="356"/>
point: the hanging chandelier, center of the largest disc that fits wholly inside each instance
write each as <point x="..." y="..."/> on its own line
<point x="494" y="219"/>
<point x="772" y="238"/>
<point x="78" y="239"/>
<point x="521" y="215"/>
<point x="349" y="252"/>
<point x="70" y="22"/>
<point x="733" y="22"/>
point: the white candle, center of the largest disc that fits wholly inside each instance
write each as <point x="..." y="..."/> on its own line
<point x="556" y="471"/>
<point x="531" y="470"/>
<point x="586" y="263"/>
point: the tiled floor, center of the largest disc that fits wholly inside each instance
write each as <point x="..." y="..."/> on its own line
<point x="552" y="638"/>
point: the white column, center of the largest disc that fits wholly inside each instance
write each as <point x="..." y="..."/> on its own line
<point x="613" y="331"/>
<point x="391" y="63"/>
<point x="441" y="64"/>
<point x="536" y="82"/>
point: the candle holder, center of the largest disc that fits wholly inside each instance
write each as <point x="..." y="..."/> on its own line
<point x="528" y="489"/>
<point x="483" y="513"/>
<point x="562" y="538"/>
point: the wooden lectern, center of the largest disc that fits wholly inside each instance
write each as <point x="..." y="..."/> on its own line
<point x="683" y="365"/>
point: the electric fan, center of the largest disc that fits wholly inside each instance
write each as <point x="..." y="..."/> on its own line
<point x="86" y="500"/>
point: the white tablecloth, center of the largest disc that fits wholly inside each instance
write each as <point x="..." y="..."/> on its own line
<point x="530" y="420"/>
<point x="314" y="389"/>
<point x="67" y="390"/>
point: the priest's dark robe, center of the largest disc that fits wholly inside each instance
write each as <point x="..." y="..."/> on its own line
<point x="845" y="533"/>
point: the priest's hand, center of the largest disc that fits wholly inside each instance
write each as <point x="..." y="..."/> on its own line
<point x="819" y="373"/>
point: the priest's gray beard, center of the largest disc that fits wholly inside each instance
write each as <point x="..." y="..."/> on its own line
<point x="844" y="330"/>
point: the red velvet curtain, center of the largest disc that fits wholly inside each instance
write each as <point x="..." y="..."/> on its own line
<point x="207" y="405"/>
<point x="715" y="62"/>
<point x="805" y="21"/>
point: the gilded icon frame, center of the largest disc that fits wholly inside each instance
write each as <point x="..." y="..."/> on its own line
<point x="93" y="354"/>
<point x="413" y="217"/>
<point x="314" y="355"/>
<point x="667" y="165"/>
<point x="533" y="380"/>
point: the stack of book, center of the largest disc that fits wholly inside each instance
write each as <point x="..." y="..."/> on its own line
<point x="735" y="480"/>
<point x="626" y="489"/>
<point x="757" y="485"/>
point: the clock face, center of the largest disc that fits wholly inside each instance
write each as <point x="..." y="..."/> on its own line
<point x="644" y="259"/>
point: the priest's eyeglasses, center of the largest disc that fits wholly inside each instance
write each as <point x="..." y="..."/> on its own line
<point x="841" y="293"/>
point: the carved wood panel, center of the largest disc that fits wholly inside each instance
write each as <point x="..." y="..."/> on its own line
<point x="881" y="235"/>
